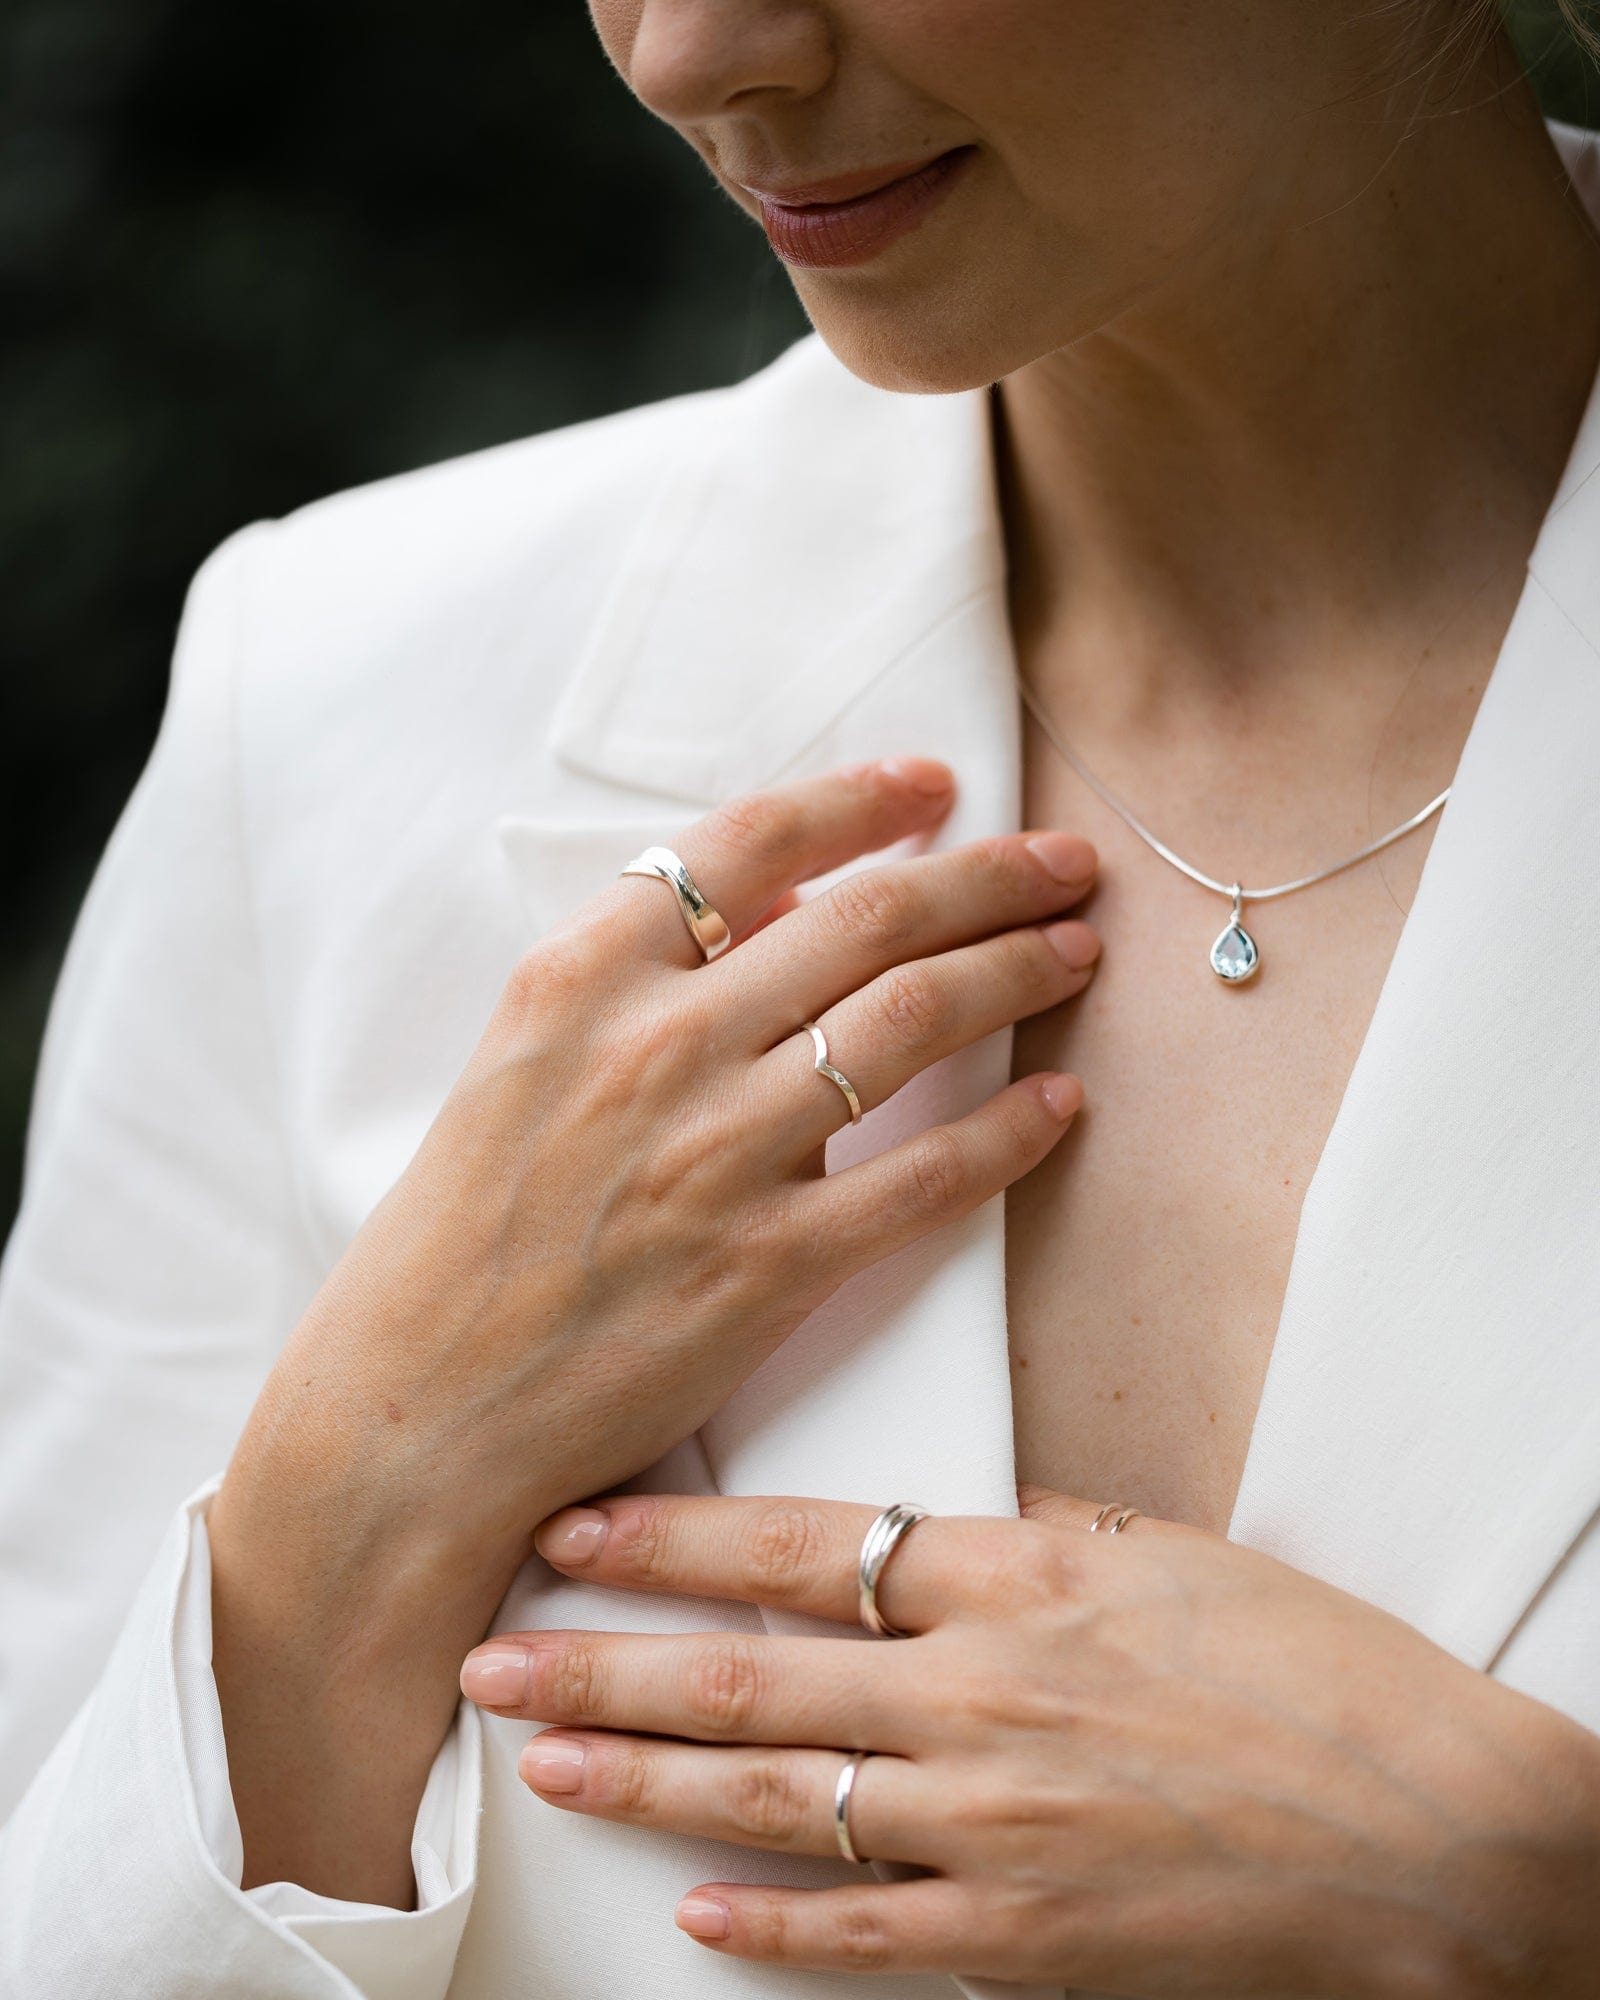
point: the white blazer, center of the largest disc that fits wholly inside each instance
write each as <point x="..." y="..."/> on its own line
<point x="410" y="727"/>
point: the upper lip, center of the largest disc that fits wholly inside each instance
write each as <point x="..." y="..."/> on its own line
<point x="838" y="187"/>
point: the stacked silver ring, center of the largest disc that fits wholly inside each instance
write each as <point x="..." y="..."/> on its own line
<point x="880" y="1542"/>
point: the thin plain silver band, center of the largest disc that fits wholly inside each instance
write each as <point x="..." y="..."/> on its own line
<point x="704" y="924"/>
<point x="823" y="1067"/>
<point x="1124" y="1516"/>
<point x="844" y="1785"/>
<point x="877" y="1545"/>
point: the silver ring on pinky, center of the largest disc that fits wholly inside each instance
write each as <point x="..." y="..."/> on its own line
<point x="823" y="1067"/>
<point x="877" y="1545"/>
<point x="1124" y="1516"/>
<point x="704" y="924"/>
<point x="844" y="1786"/>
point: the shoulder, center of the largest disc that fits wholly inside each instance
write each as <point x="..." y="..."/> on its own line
<point x="443" y="609"/>
<point x="549" y="513"/>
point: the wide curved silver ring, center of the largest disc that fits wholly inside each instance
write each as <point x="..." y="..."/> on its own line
<point x="704" y="924"/>
<point x="1124" y="1516"/>
<point x="823" y="1067"/>
<point x="844" y="1785"/>
<point x="877" y="1545"/>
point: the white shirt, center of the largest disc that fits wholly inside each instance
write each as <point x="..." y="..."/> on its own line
<point x="412" y="726"/>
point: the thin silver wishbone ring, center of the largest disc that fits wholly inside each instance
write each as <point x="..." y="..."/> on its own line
<point x="823" y="1067"/>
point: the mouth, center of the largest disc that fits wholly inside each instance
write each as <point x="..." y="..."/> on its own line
<point x="851" y="218"/>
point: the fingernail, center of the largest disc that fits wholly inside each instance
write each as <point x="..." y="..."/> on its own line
<point x="553" y="1764"/>
<point x="1068" y="857"/>
<point x="573" y="1537"/>
<point x="1074" y="944"/>
<point x="497" y="1676"/>
<point x="922" y="774"/>
<point x="703" y="1917"/>
<point x="1063" y="1094"/>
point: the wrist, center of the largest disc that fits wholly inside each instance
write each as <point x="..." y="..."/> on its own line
<point x="1525" y="1903"/>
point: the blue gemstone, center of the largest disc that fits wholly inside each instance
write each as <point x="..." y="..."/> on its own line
<point x="1234" y="956"/>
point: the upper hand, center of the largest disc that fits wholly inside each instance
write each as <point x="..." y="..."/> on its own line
<point x="1153" y="1763"/>
<point x="626" y="1185"/>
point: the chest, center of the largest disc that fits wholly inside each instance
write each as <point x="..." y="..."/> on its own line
<point x="1147" y="1258"/>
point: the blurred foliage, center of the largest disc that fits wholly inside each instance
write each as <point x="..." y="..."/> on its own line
<point x="249" y="259"/>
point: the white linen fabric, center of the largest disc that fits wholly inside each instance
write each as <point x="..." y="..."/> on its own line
<point x="412" y="726"/>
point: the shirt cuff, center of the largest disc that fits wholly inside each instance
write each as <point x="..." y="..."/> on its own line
<point x="409" y="1954"/>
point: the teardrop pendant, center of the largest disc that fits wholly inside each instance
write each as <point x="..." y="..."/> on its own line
<point x="1234" y="957"/>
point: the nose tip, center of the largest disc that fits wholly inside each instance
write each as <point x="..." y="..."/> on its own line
<point x="693" y="60"/>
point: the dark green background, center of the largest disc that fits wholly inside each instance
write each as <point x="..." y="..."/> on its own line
<point x="251" y="255"/>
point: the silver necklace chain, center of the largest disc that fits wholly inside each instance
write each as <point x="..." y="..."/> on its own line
<point x="1235" y="955"/>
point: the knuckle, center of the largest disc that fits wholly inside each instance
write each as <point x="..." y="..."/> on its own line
<point x="937" y="1176"/>
<point x="756" y="823"/>
<point x="623" y="1779"/>
<point x="1024" y="1132"/>
<point x="722" y="1690"/>
<point x="766" y="1924"/>
<point x="862" y="1938"/>
<point x="555" y="970"/>
<point x="1006" y="874"/>
<point x="565" y="1681"/>
<point x="874" y="910"/>
<point x="784" y="1549"/>
<point x="767" y="1803"/>
<point x="639" y="1541"/>
<point x="1031" y="1570"/>
<point x="910" y="1007"/>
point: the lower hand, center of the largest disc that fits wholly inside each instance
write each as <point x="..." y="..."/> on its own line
<point x="1150" y="1763"/>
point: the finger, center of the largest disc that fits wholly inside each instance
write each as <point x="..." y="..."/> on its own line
<point x="930" y="1925"/>
<point x="713" y="1687"/>
<point x="751" y="851"/>
<point x="914" y="1015"/>
<point x="867" y="1212"/>
<point x="757" y="1797"/>
<point x="786" y="1554"/>
<point x="882" y="916"/>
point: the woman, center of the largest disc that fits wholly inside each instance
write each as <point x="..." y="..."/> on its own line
<point x="1283" y="514"/>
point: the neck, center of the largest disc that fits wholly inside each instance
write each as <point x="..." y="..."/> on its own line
<point x="1291" y="467"/>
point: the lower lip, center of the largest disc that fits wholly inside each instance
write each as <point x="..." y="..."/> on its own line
<point x="826" y="235"/>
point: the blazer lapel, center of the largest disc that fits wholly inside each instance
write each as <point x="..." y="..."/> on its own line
<point x="770" y="629"/>
<point x="1430" y="1432"/>
<point x="821" y="530"/>
<point x="764" y="625"/>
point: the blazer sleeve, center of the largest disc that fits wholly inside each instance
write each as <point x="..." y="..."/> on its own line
<point x="156" y="1265"/>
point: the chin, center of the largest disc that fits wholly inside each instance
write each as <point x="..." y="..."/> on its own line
<point x="914" y="352"/>
<point x="933" y="341"/>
